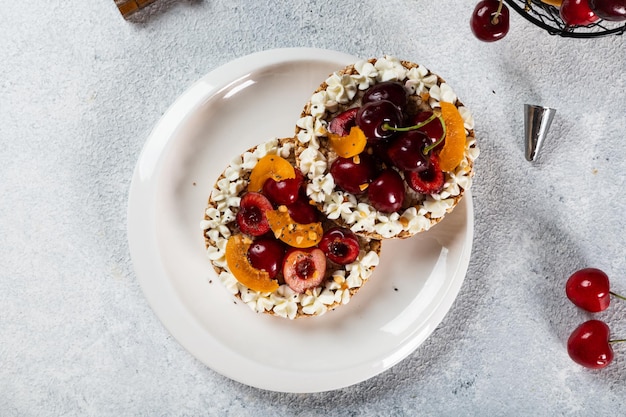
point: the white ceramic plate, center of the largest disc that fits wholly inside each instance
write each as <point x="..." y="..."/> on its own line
<point x="231" y="109"/>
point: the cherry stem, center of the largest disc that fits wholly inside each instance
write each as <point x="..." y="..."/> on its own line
<point x="387" y="126"/>
<point x="617" y="341"/>
<point x="496" y="16"/>
<point x="443" y="136"/>
<point x="617" y="295"/>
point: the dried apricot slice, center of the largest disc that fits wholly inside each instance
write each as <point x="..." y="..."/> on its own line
<point x="350" y="145"/>
<point x="239" y="264"/>
<point x="451" y="154"/>
<point x="292" y="233"/>
<point x="270" y="166"/>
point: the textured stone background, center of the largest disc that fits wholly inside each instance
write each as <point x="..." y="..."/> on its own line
<point x="80" y="90"/>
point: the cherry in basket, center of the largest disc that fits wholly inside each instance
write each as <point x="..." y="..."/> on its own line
<point x="577" y="13"/>
<point x="612" y="10"/>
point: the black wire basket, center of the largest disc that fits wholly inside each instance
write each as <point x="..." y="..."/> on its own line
<point x="547" y="17"/>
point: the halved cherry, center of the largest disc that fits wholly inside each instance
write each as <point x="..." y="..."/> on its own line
<point x="304" y="268"/>
<point x="251" y="217"/>
<point x="340" y="245"/>
<point x="429" y="181"/>
<point x="343" y="122"/>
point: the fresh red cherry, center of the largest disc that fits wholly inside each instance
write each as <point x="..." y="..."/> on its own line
<point x="589" y="289"/>
<point x="589" y="345"/>
<point x="301" y="211"/>
<point x="577" y="13"/>
<point x="386" y="193"/>
<point x="284" y="191"/>
<point x="407" y="151"/>
<point x="490" y="20"/>
<point x="387" y="90"/>
<point x="266" y="254"/>
<point x="354" y="175"/>
<point x="374" y="117"/>
<point x="433" y="127"/>
<point x="613" y="10"/>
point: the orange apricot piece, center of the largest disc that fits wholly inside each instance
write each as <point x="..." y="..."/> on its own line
<point x="453" y="149"/>
<point x="270" y="166"/>
<point x="239" y="264"/>
<point x="292" y="233"/>
<point x="350" y="145"/>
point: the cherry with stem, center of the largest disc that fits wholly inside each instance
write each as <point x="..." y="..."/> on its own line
<point x="589" y="289"/>
<point x="590" y="345"/>
<point x="495" y="18"/>
<point x="490" y="20"/>
<point x="614" y="294"/>
<point x="419" y="125"/>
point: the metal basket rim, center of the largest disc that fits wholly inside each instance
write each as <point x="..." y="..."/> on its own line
<point x="571" y="33"/>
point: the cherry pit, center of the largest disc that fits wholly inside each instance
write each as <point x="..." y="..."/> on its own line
<point x="590" y="344"/>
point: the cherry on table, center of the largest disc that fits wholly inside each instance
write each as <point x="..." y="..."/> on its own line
<point x="589" y="289"/>
<point x="589" y="345"/>
<point x="490" y="20"/>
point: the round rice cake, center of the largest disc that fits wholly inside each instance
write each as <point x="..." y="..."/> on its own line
<point x="344" y="90"/>
<point x="340" y="282"/>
